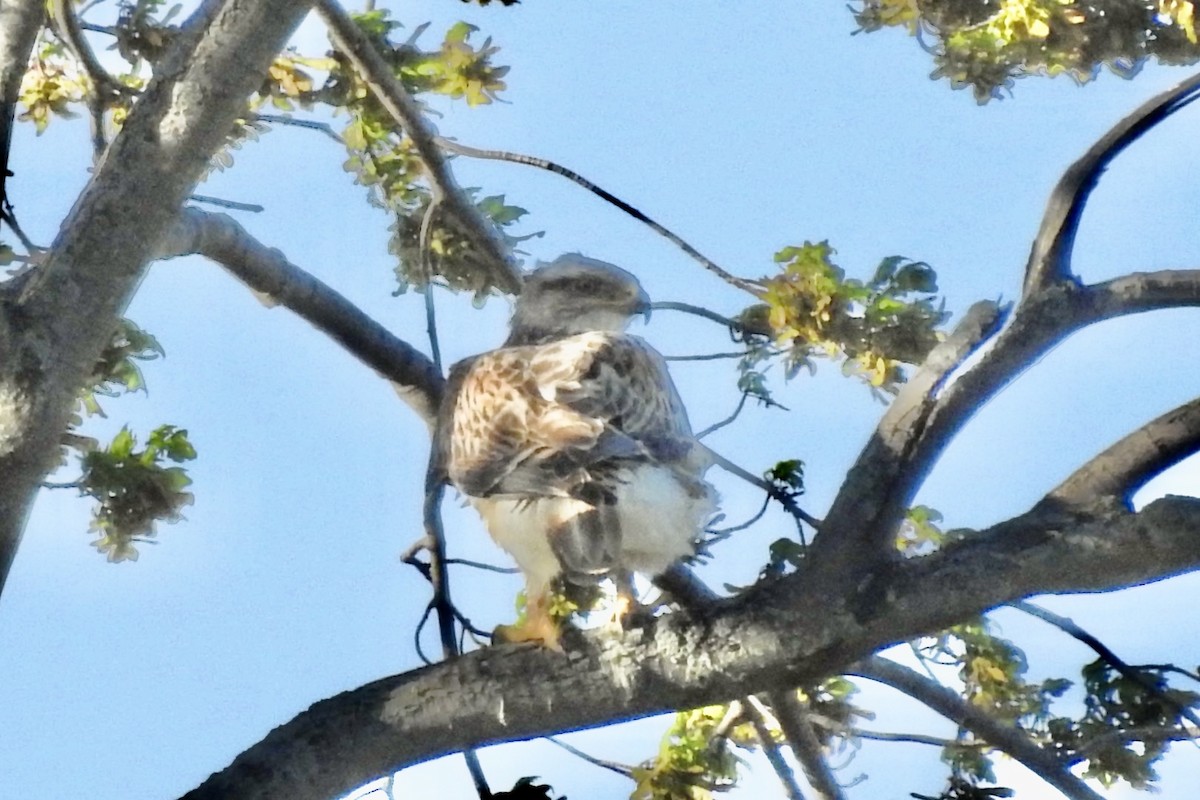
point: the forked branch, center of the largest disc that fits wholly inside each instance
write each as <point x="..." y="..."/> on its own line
<point x="1050" y="257"/>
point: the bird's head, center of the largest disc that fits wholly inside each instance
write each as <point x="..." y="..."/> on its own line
<point x="575" y="294"/>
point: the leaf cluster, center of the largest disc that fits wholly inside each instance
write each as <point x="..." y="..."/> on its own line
<point x="116" y="371"/>
<point x="1129" y="721"/>
<point x="692" y="761"/>
<point x="986" y="45"/>
<point x="428" y="245"/>
<point x="872" y="327"/>
<point x="134" y="489"/>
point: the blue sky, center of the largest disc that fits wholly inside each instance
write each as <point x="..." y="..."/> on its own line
<point x="745" y="129"/>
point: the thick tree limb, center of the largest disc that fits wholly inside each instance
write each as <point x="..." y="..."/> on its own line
<point x="767" y="639"/>
<point x="54" y="330"/>
<point x="1050" y="257"/>
<point x="1126" y="466"/>
<point x="268" y="272"/>
<point x="404" y="110"/>
<point x="949" y="704"/>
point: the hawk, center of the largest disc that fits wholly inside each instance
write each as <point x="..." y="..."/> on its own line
<point x="571" y="441"/>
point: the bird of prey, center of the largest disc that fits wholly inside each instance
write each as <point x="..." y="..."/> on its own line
<point x="572" y="442"/>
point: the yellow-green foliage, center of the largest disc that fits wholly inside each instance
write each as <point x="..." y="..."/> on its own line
<point x="985" y="44"/>
<point x="689" y="765"/>
<point x="814" y="310"/>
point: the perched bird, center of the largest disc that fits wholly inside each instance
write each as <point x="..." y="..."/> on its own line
<point x="572" y="442"/>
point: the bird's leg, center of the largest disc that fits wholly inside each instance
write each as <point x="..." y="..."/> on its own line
<point x="536" y="626"/>
<point x="626" y="606"/>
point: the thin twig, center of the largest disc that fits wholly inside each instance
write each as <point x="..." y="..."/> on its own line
<point x="733" y="325"/>
<point x="721" y="534"/>
<point x="716" y="426"/>
<point x="1072" y="629"/>
<point x="785" y="500"/>
<point x="533" y="161"/>
<point x="624" y="770"/>
<point x="1170" y="668"/>
<point x="466" y="562"/>
<point x="426" y="252"/>
<point x="281" y="119"/>
<point x="440" y="579"/>
<point x="707" y="356"/>
<point x="916" y="738"/>
<point x="253" y="208"/>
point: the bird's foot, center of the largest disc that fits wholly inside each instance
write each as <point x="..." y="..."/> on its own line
<point x="539" y="628"/>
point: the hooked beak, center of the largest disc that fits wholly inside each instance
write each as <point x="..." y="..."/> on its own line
<point x="642" y="306"/>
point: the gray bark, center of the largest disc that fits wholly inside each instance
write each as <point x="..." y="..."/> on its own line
<point x="774" y="637"/>
<point x="54" y="327"/>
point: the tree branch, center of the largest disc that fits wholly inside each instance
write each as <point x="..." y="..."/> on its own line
<point x="1126" y="466"/>
<point x="797" y="727"/>
<point x="760" y="718"/>
<point x="268" y="272"/>
<point x="20" y="22"/>
<point x="688" y="660"/>
<point x="54" y="330"/>
<point x="404" y="110"/>
<point x="1050" y="257"/>
<point x="949" y="704"/>
<point x="877" y="490"/>
<point x="541" y="163"/>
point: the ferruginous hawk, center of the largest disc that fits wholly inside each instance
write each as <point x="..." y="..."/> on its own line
<point x="571" y="440"/>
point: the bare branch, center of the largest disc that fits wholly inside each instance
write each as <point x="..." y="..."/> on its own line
<point x="760" y="718"/>
<point x="708" y="356"/>
<point x="232" y="205"/>
<point x="267" y="271"/>
<point x="716" y="426"/>
<point x="797" y="727"/>
<point x="949" y="704"/>
<point x="283" y="119"/>
<point x="1050" y="258"/>
<point x="404" y="110"/>
<point x="104" y="87"/>
<point x="1126" y="466"/>
<point x="533" y="161"/>
<point x="624" y="770"/>
<point x="734" y="325"/>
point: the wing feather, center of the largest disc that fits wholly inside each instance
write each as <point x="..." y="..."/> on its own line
<point x="538" y="421"/>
